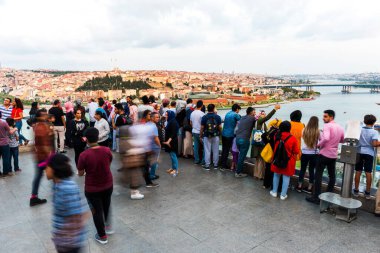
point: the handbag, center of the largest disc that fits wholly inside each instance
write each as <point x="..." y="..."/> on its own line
<point x="267" y="153"/>
<point x="257" y="139"/>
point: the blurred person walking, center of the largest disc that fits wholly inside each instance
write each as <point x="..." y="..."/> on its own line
<point x="44" y="147"/>
<point x="69" y="213"/>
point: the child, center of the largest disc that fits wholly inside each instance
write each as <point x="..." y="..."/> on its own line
<point x="69" y="215"/>
<point x="369" y="138"/>
<point x="235" y="155"/>
<point x="13" y="145"/>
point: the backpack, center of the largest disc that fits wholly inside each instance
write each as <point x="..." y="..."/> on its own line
<point x="257" y="139"/>
<point x="126" y="120"/>
<point x="211" y="128"/>
<point x="281" y="158"/>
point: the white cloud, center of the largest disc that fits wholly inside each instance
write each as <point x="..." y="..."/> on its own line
<point x="261" y="36"/>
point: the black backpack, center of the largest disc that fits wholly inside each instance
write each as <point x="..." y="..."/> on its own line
<point x="281" y="158"/>
<point x="211" y="129"/>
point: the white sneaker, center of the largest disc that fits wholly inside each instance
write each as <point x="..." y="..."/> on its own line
<point x="136" y="195"/>
<point x="273" y="194"/>
<point x="283" y="197"/>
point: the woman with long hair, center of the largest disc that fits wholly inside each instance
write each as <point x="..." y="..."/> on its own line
<point x="310" y="137"/>
<point x="18" y="115"/>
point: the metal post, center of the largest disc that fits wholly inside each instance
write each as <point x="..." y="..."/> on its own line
<point x="347" y="180"/>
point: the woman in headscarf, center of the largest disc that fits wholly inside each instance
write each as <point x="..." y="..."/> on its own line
<point x="171" y="141"/>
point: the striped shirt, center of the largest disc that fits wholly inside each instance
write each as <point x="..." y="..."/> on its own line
<point x="5" y="113"/>
<point x="68" y="226"/>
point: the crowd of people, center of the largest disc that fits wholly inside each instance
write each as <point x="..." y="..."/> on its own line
<point x="139" y="133"/>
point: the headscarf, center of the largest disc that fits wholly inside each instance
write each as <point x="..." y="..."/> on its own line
<point x="274" y="123"/>
<point x="69" y="107"/>
<point x="171" y="117"/>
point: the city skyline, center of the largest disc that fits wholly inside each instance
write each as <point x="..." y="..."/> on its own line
<point x="260" y="37"/>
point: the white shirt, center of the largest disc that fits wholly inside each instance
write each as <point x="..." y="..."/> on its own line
<point x="91" y="110"/>
<point x="196" y="118"/>
<point x="104" y="129"/>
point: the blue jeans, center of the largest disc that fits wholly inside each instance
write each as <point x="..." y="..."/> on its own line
<point x="197" y="144"/>
<point x="14" y="154"/>
<point x="285" y="183"/>
<point x="154" y="164"/>
<point x="5" y="153"/>
<point x="37" y="179"/>
<point x="173" y="156"/>
<point x="243" y="146"/>
<point x="19" y="127"/>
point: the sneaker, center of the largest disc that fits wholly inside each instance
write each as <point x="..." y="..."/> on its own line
<point x="222" y="169"/>
<point x="26" y="142"/>
<point x="307" y="190"/>
<point x="367" y="195"/>
<point x="169" y="171"/>
<point x="18" y="171"/>
<point x="299" y="189"/>
<point x="313" y="200"/>
<point x="206" y="168"/>
<point x="152" y="185"/>
<point x="102" y="240"/>
<point x="109" y="230"/>
<point x="355" y="193"/>
<point x="174" y="173"/>
<point x="155" y="177"/>
<point x="136" y="195"/>
<point x="283" y="197"/>
<point x="273" y="194"/>
<point x="239" y="175"/>
<point x="37" y="201"/>
<point x="216" y="167"/>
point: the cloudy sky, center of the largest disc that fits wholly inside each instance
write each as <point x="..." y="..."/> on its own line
<point x="250" y="36"/>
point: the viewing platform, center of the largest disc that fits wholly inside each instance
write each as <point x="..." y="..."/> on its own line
<point x="198" y="211"/>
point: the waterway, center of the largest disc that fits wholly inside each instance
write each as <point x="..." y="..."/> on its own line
<point x="351" y="106"/>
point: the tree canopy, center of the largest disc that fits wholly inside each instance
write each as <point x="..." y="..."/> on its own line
<point x="112" y="83"/>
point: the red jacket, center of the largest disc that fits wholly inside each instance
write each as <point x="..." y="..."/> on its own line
<point x="292" y="148"/>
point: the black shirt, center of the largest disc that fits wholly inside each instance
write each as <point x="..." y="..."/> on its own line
<point x="57" y="113"/>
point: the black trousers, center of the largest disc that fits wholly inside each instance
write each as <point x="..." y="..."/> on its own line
<point x="322" y="163"/>
<point x="268" y="177"/>
<point x="104" y="143"/>
<point x="79" y="147"/>
<point x="68" y="250"/>
<point x="100" y="203"/>
<point x="226" y="147"/>
<point x="146" y="170"/>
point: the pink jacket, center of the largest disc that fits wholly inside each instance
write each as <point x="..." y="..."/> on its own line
<point x="331" y="136"/>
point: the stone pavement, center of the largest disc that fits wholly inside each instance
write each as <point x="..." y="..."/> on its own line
<point x="197" y="211"/>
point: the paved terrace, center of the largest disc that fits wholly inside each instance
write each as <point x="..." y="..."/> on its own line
<point x="198" y="211"/>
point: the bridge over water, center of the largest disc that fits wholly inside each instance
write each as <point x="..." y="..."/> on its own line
<point x="346" y="87"/>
